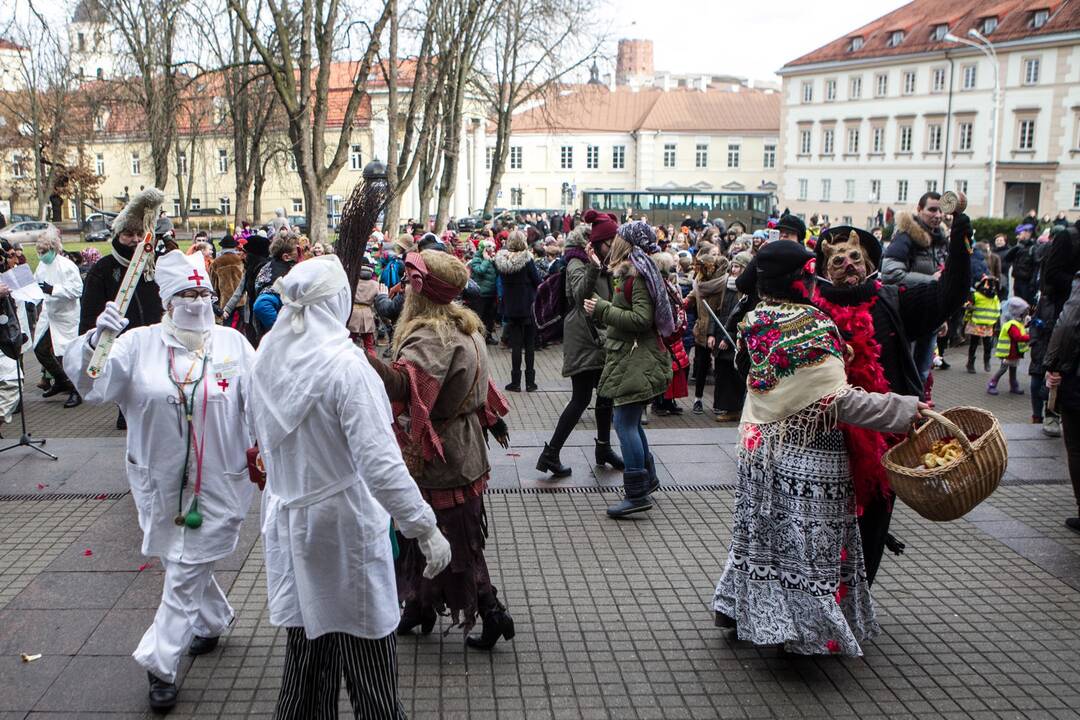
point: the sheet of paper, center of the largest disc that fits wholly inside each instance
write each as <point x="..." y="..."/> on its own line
<point x="23" y="286"/>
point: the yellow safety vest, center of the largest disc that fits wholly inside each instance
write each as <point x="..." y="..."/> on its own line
<point x="986" y="310"/>
<point x="1004" y="343"/>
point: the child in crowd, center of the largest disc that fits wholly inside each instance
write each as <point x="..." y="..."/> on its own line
<point x="1012" y="344"/>
<point x="362" y="321"/>
<point x="982" y="313"/>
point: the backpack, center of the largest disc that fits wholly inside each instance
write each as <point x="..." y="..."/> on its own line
<point x="550" y="307"/>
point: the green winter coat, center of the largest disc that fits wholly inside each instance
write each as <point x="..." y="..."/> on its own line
<point x="484" y="275"/>
<point x="583" y="337"/>
<point x="637" y="366"/>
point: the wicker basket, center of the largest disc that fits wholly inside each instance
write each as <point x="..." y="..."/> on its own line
<point x="949" y="491"/>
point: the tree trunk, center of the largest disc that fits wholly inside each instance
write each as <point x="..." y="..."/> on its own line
<point x="256" y="197"/>
<point x="498" y="161"/>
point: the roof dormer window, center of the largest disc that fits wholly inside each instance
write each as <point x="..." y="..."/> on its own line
<point x="895" y="38"/>
<point x="1039" y="18"/>
<point x="856" y="43"/>
<point x="940" y="31"/>
<point x="989" y="24"/>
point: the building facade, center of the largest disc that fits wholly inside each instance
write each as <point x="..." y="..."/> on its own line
<point x="878" y="117"/>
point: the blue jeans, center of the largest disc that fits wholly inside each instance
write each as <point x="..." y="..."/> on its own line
<point x="922" y="350"/>
<point x="632" y="441"/>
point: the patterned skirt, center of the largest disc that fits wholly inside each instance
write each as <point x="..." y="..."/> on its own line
<point x="795" y="573"/>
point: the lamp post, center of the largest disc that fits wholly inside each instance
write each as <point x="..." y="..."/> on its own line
<point x="983" y="45"/>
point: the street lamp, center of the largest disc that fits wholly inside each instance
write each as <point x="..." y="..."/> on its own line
<point x="987" y="48"/>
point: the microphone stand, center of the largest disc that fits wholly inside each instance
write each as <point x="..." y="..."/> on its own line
<point x="24" y="439"/>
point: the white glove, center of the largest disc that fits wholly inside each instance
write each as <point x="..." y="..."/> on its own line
<point x="109" y="319"/>
<point x="437" y="551"/>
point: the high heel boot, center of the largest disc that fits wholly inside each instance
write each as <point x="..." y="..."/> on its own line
<point x="605" y="455"/>
<point x="549" y="462"/>
<point x="497" y="623"/>
<point x="415" y="615"/>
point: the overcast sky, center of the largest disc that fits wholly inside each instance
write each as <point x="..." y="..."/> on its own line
<point x="739" y="37"/>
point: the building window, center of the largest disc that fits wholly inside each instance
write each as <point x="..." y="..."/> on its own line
<point x="895" y="38"/>
<point x="808" y="92"/>
<point x="516" y="196"/>
<point x="1026" y="136"/>
<point x="99" y="122"/>
<point x="196" y="204"/>
<point x="17" y="167"/>
<point x="855" y="87"/>
<point x="81" y="42"/>
<point x="222" y="161"/>
<point x="969" y="77"/>
<point x="989" y="25"/>
<point x="875" y="191"/>
<point x="963" y="136"/>
<point x="1076" y="195"/>
<point x="878" y="140"/>
<point x="769" y="159"/>
<point x="881" y="85"/>
<point x="356" y="160"/>
<point x="297" y="206"/>
<point x="933" y="138"/>
<point x="99" y="165"/>
<point x="1039" y="18"/>
<point x="962" y="186"/>
<point x="225" y="205"/>
<point x="1031" y="71"/>
<point x="853" y="141"/>
<point x="136" y="164"/>
<point x="940" y="31"/>
<point x="827" y="136"/>
<point x="856" y="43"/>
<point x="566" y="157"/>
<point x="292" y="162"/>
<point x="905" y="138"/>
<point x="618" y="157"/>
<point x="592" y="157"/>
<point x="489" y="157"/>
<point x="909" y="82"/>
<point x="830" y="90"/>
<point x="669" y="155"/>
<point x="176" y="207"/>
<point x="938" y="83"/>
<point x="804" y="185"/>
<point x="733" y="150"/>
<point x="931" y="186"/>
<point x="826" y="189"/>
<point x="901" y="190"/>
<point x="849" y="191"/>
<point x="701" y="156"/>
<point x="804" y="142"/>
<point x="181" y="162"/>
<point x="516" y="157"/>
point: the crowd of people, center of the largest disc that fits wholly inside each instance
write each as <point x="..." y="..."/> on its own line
<point x="372" y="463"/>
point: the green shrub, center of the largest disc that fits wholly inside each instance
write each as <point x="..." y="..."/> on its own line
<point x="987" y="227"/>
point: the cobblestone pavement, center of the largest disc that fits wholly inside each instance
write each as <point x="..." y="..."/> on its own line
<point x="980" y="617"/>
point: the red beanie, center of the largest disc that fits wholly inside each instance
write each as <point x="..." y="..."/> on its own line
<point x="604" y="226"/>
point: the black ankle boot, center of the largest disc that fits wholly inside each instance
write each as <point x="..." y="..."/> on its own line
<point x="636" y="485"/>
<point x="497" y="623"/>
<point x="162" y="694"/>
<point x="201" y="645"/>
<point x="606" y="456"/>
<point x="549" y="462"/>
<point x="415" y="615"/>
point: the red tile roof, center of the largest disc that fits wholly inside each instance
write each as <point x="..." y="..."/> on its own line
<point x="6" y="44"/>
<point x="918" y="20"/>
<point x="592" y="108"/>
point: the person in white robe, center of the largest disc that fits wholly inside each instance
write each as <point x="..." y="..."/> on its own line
<point x="335" y="476"/>
<point x="181" y="384"/>
<point x="58" y="323"/>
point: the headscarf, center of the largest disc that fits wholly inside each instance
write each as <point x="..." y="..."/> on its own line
<point x="427" y="283"/>
<point x="641" y="237"/>
<point x="296" y="358"/>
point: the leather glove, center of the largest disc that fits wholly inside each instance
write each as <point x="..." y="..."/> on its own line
<point x="436" y="549"/>
<point x="45" y="288"/>
<point x="109" y="319"/>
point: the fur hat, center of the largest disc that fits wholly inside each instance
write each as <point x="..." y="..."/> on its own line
<point x="604" y="226"/>
<point x="140" y="213"/>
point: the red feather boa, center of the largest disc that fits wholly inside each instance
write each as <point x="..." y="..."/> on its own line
<point x="865" y="447"/>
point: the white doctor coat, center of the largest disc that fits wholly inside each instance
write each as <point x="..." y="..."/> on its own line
<point x="329" y="564"/>
<point x="136" y="377"/>
<point x="60" y="311"/>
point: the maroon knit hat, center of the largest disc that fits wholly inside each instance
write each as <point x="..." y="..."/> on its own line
<point x="604" y="226"/>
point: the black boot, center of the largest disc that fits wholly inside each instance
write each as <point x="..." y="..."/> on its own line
<point x="636" y="485"/>
<point x="74" y="400"/>
<point x="606" y="456"/>
<point x="121" y="422"/>
<point x="201" y="645"/>
<point x="497" y="623"/>
<point x="162" y="694"/>
<point x="650" y="467"/>
<point x="721" y="620"/>
<point x="415" y="615"/>
<point x="515" y="384"/>
<point x="530" y="381"/>
<point x="549" y="462"/>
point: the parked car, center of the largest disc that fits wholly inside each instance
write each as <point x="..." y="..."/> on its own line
<point x="20" y="217"/>
<point x="298" y="223"/>
<point x="470" y="223"/>
<point x="97" y="227"/>
<point x="25" y="233"/>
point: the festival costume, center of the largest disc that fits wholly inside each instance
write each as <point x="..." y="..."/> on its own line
<point x="185" y="458"/>
<point x="58" y="323"/>
<point x="334" y="478"/>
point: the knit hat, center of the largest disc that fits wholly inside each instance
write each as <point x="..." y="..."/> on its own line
<point x="604" y="226"/>
<point x="177" y="272"/>
<point x="794" y="224"/>
<point x="228" y="242"/>
<point x="258" y="245"/>
<point x="742" y="259"/>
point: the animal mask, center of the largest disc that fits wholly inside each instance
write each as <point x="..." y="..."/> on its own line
<point x="847" y="263"/>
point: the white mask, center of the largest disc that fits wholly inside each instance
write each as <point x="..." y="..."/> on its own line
<point x="192" y="313"/>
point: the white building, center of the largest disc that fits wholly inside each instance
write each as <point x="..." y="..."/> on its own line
<point x="89" y="41"/>
<point x="12" y="66"/>
<point x="596" y="138"/>
<point x="898" y="107"/>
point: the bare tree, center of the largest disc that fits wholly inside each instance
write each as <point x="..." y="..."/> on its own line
<point x="534" y="46"/>
<point x="302" y="84"/>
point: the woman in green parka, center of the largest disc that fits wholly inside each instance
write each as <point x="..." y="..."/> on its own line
<point x="637" y="366"/>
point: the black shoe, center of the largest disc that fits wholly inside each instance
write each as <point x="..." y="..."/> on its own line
<point x="971" y="368"/>
<point x="605" y="455"/>
<point x="986" y="366"/>
<point x="944" y="365"/>
<point x="531" y="387"/>
<point x="513" y="387"/>
<point x="1073" y="524"/>
<point x="549" y="462"/>
<point x="57" y="389"/>
<point x="721" y="620"/>
<point x="121" y="421"/>
<point x="415" y="615"/>
<point x="74" y="400"/>
<point x="636" y="484"/>
<point x="201" y="645"/>
<point x="497" y="624"/>
<point x="162" y="694"/>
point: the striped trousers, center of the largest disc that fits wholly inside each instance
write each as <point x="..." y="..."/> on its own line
<point x="313" y="669"/>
